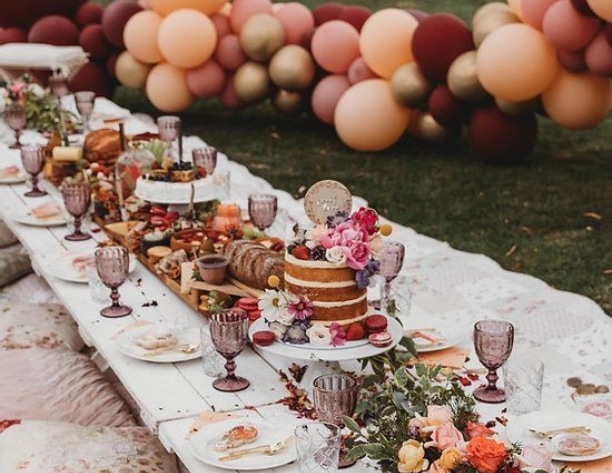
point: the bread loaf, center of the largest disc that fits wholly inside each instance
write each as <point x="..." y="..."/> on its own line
<point x="102" y="146"/>
<point x="252" y="263"/>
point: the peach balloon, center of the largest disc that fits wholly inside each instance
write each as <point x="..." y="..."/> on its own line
<point x="261" y="36"/>
<point x="516" y="7"/>
<point x="187" y="38"/>
<point x="292" y="68"/>
<point x="602" y="8"/>
<point x="206" y="80"/>
<point x="167" y="88"/>
<point x="131" y="72"/>
<point x="577" y="101"/>
<point x="534" y="11"/>
<point x="140" y="36"/>
<point x="516" y="62"/>
<point x="297" y="20"/>
<point x="598" y="56"/>
<point x="229" y="53"/>
<point x="242" y="10"/>
<point x="368" y="118"/>
<point x="252" y="82"/>
<point x="566" y="28"/>
<point x="386" y="40"/>
<point x="165" y="7"/>
<point x="359" y="71"/>
<point x="325" y="96"/>
<point x="335" y="45"/>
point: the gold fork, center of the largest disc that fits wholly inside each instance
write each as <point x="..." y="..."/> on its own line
<point x="549" y="434"/>
<point x="271" y="449"/>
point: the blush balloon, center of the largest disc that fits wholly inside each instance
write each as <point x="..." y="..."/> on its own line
<point x="13" y="34"/>
<point x="325" y="96"/>
<point x="573" y="61"/>
<point x="242" y="10"/>
<point x="222" y="24"/>
<point x="355" y="15"/>
<point x="114" y="19"/>
<point x="335" y="45"/>
<point x="438" y="41"/>
<point x="534" y="11"/>
<point x="88" y="14"/>
<point x="297" y="20"/>
<point x="229" y="97"/>
<point x="229" y="53"/>
<point x="167" y="88"/>
<point x="566" y="28"/>
<point x="359" y="71"/>
<point x="327" y="12"/>
<point x="54" y="29"/>
<point x="598" y="56"/>
<point x="207" y="80"/>
<point x="582" y="7"/>
<point x="93" y="42"/>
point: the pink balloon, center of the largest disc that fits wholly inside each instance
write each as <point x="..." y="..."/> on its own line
<point x="229" y="53"/>
<point x="573" y="61"/>
<point x="359" y="71"/>
<point x="297" y="20"/>
<point x="534" y="11"/>
<point x="242" y="10"/>
<point x="335" y="45"/>
<point x="228" y="97"/>
<point x="598" y="56"/>
<point x="566" y="28"/>
<point x="325" y="96"/>
<point x="222" y="24"/>
<point x="207" y="80"/>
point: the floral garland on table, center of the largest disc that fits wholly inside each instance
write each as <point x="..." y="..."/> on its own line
<point x="423" y="421"/>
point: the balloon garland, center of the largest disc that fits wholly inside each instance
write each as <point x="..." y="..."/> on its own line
<point x="374" y="76"/>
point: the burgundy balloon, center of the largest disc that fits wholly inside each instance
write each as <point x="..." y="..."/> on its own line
<point x="438" y="41"/>
<point x="54" y="29"/>
<point x="501" y="139"/>
<point x="111" y="62"/>
<point x="355" y="15"/>
<point x="447" y="109"/>
<point x="419" y="15"/>
<point x="582" y="7"/>
<point x="13" y="35"/>
<point x="93" y="41"/>
<point x="93" y="77"/>
<point x="114" y="18"/>
<point x="608" y="32"/>
<point x="306" y="41"/>
<point x="327" y="12"/>
<point x="88" y="14"/>
<point x="23" y="13"/>
<point x="573" y="61"/>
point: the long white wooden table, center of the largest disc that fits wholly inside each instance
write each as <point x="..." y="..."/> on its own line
<point x="450" y="289"/>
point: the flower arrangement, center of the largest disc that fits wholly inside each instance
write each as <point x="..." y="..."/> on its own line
<point x="351" y="240"/>
<point x="43" y="112"/>
<point x="422" y="420"/>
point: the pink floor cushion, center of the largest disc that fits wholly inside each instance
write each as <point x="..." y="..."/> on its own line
<point x="59" y="385"/>
<point x="25" y="325"/>
<point x="43" y="446"/>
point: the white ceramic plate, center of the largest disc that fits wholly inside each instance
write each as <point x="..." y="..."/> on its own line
<point x="202" y="445"/>
<point x="190" y="336"/>
<point x="25" y="216"/>
<point x="65" y="269"/>
<point x="445" y="340"/>
<point x="16" y="179"/>
<point x="517" y="430"/>
<point x="362" y="349"/>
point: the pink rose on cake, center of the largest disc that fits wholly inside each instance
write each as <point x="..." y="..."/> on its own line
<point x="358" y="255"/>
<point x="366" y="219"/>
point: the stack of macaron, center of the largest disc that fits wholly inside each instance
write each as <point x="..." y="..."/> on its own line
<point x="376" y="329"/>
<point x="249" y="305"/>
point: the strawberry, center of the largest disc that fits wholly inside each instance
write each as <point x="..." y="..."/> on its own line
<point x="355" y="332"/>
<point x="301" y="252"/>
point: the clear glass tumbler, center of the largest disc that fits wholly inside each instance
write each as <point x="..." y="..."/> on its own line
<point x="523" y="379"/>
<point x="212" y="362"/>
<point x="318" y="447"/>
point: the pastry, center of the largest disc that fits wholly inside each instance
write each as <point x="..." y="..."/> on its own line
<point x="155" y="340"/>
<point x="264" y="338"/>
<point x="578" y="445"/>
<point x="252" y="263"/>
<point x="236" y="437"/>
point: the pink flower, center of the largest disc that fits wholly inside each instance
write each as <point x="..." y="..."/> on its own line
<point x="301" y="308"/>
<point x="367" y="219"/>
<point x="438" y="415"/>
<point x="337" y="333"/>
<point x="535" y="457"/>
<point x="357" y="255"/>
<point x="343" y="234"/>
<point x="446" y="436"/>
<point x="474" y="429"/>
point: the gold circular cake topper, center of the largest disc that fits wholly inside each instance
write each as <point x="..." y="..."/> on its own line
<point x="326" y="198"/>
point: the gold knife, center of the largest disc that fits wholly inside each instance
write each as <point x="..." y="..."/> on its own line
<point x="270" y="449"/>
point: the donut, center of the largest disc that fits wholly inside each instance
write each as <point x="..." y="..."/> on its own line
<point x="578" y="445"/>
<point x="376" y="323"/>
<point x="264" y="338"/>
<point x="380" y="339"/>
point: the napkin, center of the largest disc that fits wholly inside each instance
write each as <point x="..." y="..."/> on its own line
<point x="130" y="326"/>
<point x="207" y="418"/>
<point x="453" y="357"/>
<point x="67" y="153"/>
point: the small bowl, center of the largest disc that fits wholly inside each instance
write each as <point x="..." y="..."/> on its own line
<point x="213" y="268"/>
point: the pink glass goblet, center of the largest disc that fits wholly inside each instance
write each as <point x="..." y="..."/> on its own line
<point x="112" y="264"/>
<point x="16" y="117"/>
<point x="335" y="396"/>
<point x="493" y="341"/>
<point x="77" y="197"/>
<point x="205" y="158"/>
<point x="33" y="159"/>
<point x="391" y="261"/>
<point x="229" y="333"/>
<point x="262" y="210"/>
<point x="85" y="101"/>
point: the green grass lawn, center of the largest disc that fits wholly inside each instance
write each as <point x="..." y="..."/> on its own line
<point x="550" y="217"/>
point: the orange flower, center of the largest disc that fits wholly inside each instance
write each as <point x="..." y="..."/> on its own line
<point x="474" y="429"/>
<point x="485" y="454"/>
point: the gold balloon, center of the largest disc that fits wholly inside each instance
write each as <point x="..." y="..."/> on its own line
<point x="131" y="72"/>
<point x="409" y="86"/>
<point x="290" y="103"/>
<point x="292" y="68"/>
<point x="488" y="8"/>
<point x="252" y="82"/>
<point x="514" y="109"/>
<point x="489" y="23"/>
<point x="463" y="81"/>
<point x="261" y="36"/>
<point x="424" y="127"/>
